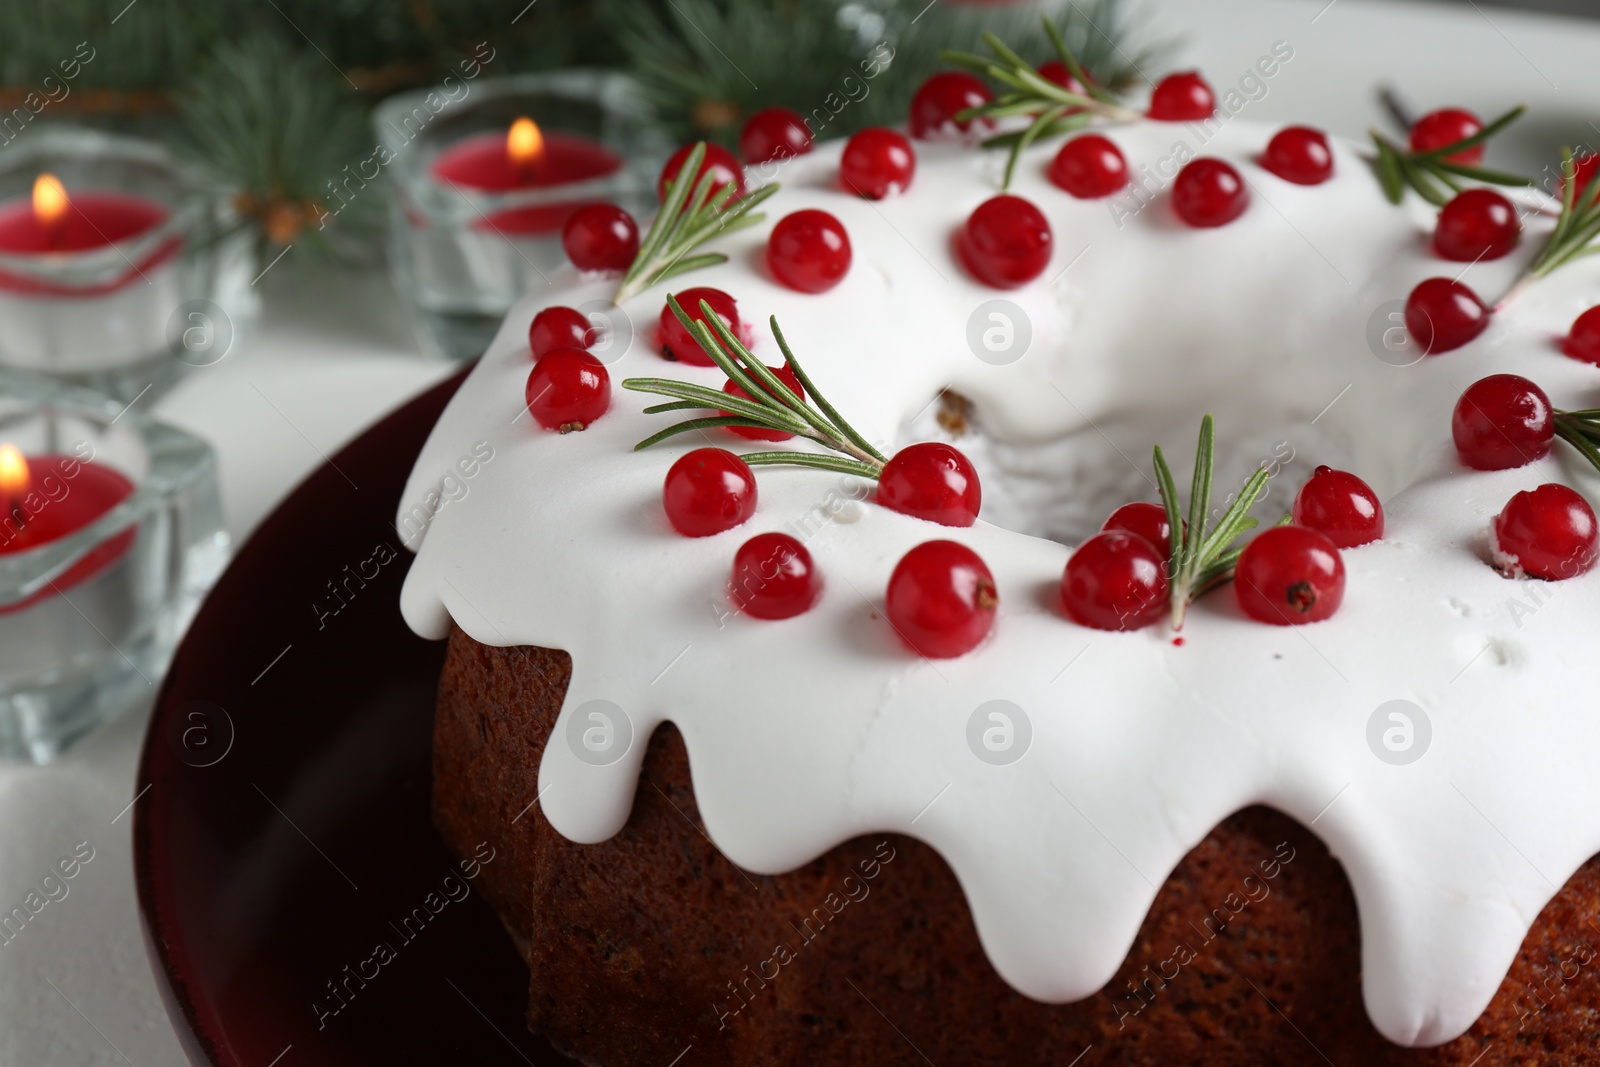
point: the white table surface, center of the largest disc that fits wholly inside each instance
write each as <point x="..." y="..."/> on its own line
<point x="328" y="355"/>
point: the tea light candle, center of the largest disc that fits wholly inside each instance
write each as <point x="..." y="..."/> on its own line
<point x="525" y="157"/>
<point x="48" y="497"/>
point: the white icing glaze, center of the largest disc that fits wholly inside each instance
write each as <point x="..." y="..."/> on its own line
<point x="805" y="732"/>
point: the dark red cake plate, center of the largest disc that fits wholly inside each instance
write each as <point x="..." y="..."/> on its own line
<point x="299" y="909"/>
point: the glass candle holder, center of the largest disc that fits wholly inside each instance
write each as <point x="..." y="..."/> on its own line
<point x="107" y="244"/>
<point x="472" y="229"/>
<point x="110" y="533"/>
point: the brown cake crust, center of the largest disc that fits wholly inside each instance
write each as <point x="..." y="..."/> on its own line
<point x="652" y="942"/>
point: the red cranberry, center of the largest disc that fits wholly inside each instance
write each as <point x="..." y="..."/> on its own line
<point x="1006" y="242"/>
<point x="601" y="237"/>
<point x="774" y="133"/>
<point x="942" y="599"/>
<point x="1548" y="533"/>
<point x="941" y="98"/>
<point x="732" y="388"/>
<point x="1115" y="581"/>
<point x="1209" y="192"/>
<point x="719" y="161"/>
<point x="877" y="163"/>
<point x="1583" y="340"/>
<point x="1502" y="421"/>
<point x="1442" y="315"/>
<point x="1438" y="129"/>
<point x="707" y="491"/>
<point x="1289" y="575"/>
<point x="677" y="342"/>
<point x="1089" y="167"/>
<point x="809" y="251"/>
<point x="773" y="577"/>
<point x="1477" y="224"/>
<point x="932" y="481"/>
<point x="1148" y="521"/>
<point x="568" y="389"/>
<point x="1182" y="97"/>
<point x="1340" y="506"/>
<point x="559" y="327"/>
<point x="1299" y="154"/>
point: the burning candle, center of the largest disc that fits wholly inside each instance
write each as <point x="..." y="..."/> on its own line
<point x="525" y="157"/>
<point x="51" y="496"/>
<point x="52" y="222"/>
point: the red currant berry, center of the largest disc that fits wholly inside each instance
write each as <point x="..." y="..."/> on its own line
<point x="601" y="237"/>
<point x="1299" y="154"/>
<point x="707" y="491"/>
<point x="809" y="251"/>
<point x="1477" y="224"/>
<point x="931" y="481"/>
<point x="1006" y="242"/>
<point x="568" y="389"/>
<point x="1182" y="97"/>
<point x="1583" y="340"/>
<point x="1437" y="129"/>
<point x="1148" y="521"/>
<point x="732" y="388"/>
<point x="1115" y="581"/>
<point x="1340" y="506"/>
<point x="774" y="133"/>
<point x="773" y="577"/>
<point x="942" y="599"/>
<point x="678" y="343"/>
<point x="719" y="161"/>
<point x="559" y="327"/>
<point x="877" y="163"/>
<point x="940" y="99"/>
<point x="1089" y="167"/>
<point x="1289" y="575"/>
<point x="1442" y="315"/>
<point x="1548" y="533"/>
<point x="1209" y="192"/>
<point x="1502" y="421"/>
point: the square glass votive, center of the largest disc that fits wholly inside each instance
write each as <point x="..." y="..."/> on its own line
<point x="110" y="533"/>
<point x="100" y="276"/>
<point x="470" y="233"/>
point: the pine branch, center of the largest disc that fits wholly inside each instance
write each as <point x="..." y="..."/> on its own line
<point x="1398" y="167"/>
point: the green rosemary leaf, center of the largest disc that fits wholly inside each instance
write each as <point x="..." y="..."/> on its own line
<point x="840" y="464"/>
<point x="1075" y="68"/>
<point x="1439" y="173"/>
<point x="1066" y="124"/>
<point x="821" y="401"/>
<point x="1389" y="172"/>
<point x="717" y="400"/>
<point x="1483" y="135"/>
<point x="1420" y="180"/>
<point x="1237" y="519"/>
<point x="676" y="405"/>
<point x="1205" y="455"/>
<point x="1001" y="49"/>
<point x="976" y="64"/>
<point x="771" y="389"/>
<point x="689" y="263"/>
<point x="1029" y="135"/>
<point x="1489" y="177"/>
<point x="1178" y="535"/>
<point x="714" y="423"/>
<point x="1574" y="433"/>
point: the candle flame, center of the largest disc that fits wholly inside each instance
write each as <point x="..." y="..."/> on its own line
<point x="49" y="199"/>
<point x="14" y="476"/>
<point x="524" y="143"/>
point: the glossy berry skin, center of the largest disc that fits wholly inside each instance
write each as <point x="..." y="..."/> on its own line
<point x="1442" y="315"/>
<point x="942" y="599"/>
<point x="678" y="343"/>
<point x="559" y="327"/>
<point x="1209" y="193"/>
<point x="1290" y="575"/>
<point x="732" y="388"/>
<point x="1089" y="166"/>
<point x="707" y="491"/>
<point x="1502" y="421"/>
<point x="1548" y="533"/>
<point x="1299" y="154"/>
<point x="773" y="577"/>
<point x="721" y="162"/>
<point x="1115" y="581"/>
<point x="774" y="133"/>
<point x="1445" y="127"/>
<point x="601" y="237"/>
<point x="809" y="251"/>
<point x="1006" y="242"/>
<point x="940" y="99"/>
<point x="1339" y="506"/>
<point x="1476" y="224"/>
<point x="1145" y="520"/>
<point x="1583" y="340"/>
<point x="876" y="163"/>
<point x="932" y="481"/>
<point x="567" y="390"/>
<point x="1183" y="97"/>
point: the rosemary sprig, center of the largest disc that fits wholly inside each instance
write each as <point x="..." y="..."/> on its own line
<point x="1578" y="224"/>
<point x="1054" y="110"/>
<point x="689" y="217"/>
<point x="772" y="405"/>
<point x="1426" y="172"/>
<point x="1201" y="560"/>
<point x="1581" y="430"/>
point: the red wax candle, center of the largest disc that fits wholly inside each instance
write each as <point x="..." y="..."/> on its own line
<point x="525" y="158"/>
<point x="47" y="497"/>
<point x="53" y="224"/>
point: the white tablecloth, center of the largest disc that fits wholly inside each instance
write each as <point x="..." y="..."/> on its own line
<point x="329" y="355"/>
